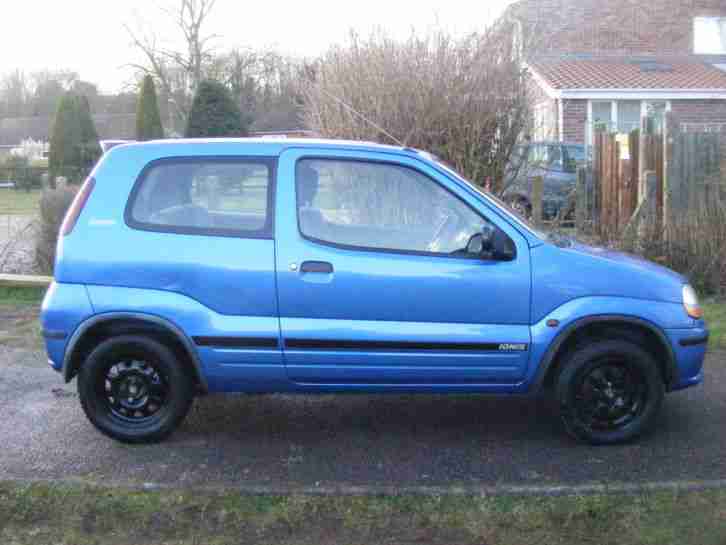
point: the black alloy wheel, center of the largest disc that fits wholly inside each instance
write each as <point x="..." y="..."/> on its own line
<point x="609" y="391"/>
<point x="611" y="395"/>
<point x="135" y="389"/>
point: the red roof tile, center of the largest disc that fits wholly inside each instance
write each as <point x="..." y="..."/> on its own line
<point x="593" y="72"/>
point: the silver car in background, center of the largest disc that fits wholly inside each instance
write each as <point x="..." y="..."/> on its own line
<point x="557" y="163"/>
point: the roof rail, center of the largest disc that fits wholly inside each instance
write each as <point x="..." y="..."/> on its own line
<point x="106" y="145"/>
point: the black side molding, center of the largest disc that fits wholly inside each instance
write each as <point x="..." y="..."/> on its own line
<point x="325" y="344"/>
<point x="236" y="342"/>
<point x="694" y="341"/>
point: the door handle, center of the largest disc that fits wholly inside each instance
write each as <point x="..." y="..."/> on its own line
<point x="322" y="267"/>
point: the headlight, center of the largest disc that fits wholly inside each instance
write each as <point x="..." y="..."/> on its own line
<point x="690" y="303"/>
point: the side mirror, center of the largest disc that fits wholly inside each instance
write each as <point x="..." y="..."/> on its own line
<point x="475" y="246"/>
<point x="492" y="243"/>
<point x="503" y="248"/>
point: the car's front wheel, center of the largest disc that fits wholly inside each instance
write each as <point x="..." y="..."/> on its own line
<point x="609" y="392"/>
<point x="134" y="389"/>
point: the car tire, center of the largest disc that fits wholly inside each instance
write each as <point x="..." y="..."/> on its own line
<point x="609" y="392"/>
<point x="134" y="389"/>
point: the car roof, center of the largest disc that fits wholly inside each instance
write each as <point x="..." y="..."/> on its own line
<point x="275" y="145"/>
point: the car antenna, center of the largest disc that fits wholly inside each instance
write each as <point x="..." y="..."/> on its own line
<point x="364" y="118"/>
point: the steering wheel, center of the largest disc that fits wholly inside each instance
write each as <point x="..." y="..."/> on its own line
<point x="445" y="232"/>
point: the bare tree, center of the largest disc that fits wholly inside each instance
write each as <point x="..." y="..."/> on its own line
<point x="463" y="99"/>
<point x="264" y="84"/>
<point x="14" y="94"/>
<point x="190" y="17"/>
<point x="178" y="71"/>
<point x="38" y="93"/>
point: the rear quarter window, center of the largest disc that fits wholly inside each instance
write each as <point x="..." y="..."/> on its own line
<point x="203" y="196"/>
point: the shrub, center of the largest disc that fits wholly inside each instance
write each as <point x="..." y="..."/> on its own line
<point x="30" y="178"/>
<point x="693" y="244"/>
<point x="54" y="204"/>
<point x="18" y="169"/>
<point x="74" y="146"/>
<point x="462" y="98"/>
<point x="148" y="119"/>
<point x="90" y="146"/>
<point x="214" y="113"/>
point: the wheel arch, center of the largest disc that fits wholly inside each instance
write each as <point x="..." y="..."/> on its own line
<point x="637" y="330"/>
<point x="107" y="325"/>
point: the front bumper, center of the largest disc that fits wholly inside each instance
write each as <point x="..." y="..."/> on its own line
<point x="689" y="348"/>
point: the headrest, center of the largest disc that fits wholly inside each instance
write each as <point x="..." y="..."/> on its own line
<point x="307" y="183"/>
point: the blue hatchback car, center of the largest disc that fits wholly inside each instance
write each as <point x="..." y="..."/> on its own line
<point x="258" y="266"/>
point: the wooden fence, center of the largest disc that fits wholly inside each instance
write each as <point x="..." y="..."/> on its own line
<point x="615" y="181"/>
<point x="679" y="172"/>
<point x="694" y="178"/>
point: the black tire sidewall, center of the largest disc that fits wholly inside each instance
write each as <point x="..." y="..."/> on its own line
<point x="179" y="399"/>
<point x="583" y="360"/>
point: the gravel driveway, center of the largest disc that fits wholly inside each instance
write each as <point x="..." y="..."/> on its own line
<point x="308" y="441"/>
<point x="17" y="243"/>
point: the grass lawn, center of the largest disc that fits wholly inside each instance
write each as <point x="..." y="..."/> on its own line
<point x="19" y="326"/>
<point x="716" y="319"/>
<point x="80" y="514"/>
<point x="19" y="202"/>
<point x="21" y="296"/>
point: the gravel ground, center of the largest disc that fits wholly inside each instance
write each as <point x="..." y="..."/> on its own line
<point x="17" y="243"/>
<point x="308" y="441"/>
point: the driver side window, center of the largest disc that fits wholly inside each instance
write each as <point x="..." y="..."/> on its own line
<point x="381" y="206"/>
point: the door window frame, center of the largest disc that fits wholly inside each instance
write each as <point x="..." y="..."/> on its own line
<point x="368" y="249"/>
<point x="267" y="232"/>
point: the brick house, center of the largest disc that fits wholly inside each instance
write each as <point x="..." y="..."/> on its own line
<point x="621" y="63"/>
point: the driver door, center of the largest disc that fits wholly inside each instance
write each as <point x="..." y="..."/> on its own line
<point x="375" y="286"/>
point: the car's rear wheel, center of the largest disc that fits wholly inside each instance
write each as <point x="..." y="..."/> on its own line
<point x="609" y="392"/>
<point x="134" y="389"/>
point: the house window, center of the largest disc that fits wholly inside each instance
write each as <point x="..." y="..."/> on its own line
<point x="625" y="116"/>
<point x="602" y="116"/>
<point x="628" y="115"/>
<point x="709" y="35"/>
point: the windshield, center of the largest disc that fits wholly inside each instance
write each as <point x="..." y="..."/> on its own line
<point x="503" y="207"/>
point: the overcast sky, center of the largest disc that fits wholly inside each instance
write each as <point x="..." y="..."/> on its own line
<point x="88" y="35"/>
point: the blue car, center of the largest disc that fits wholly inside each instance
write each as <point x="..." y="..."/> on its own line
<point x="190" y="267"/>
